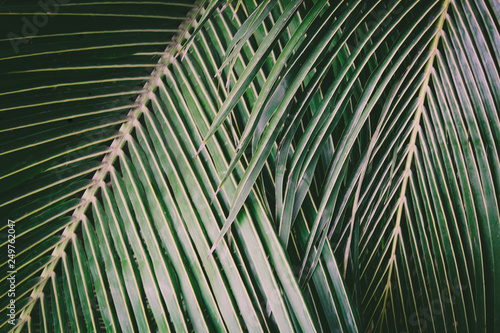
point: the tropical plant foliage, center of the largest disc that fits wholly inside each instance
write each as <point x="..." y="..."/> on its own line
<point x="284" y="165"/>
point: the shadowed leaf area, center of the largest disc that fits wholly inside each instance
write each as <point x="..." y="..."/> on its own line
<point x="250" y="166"/>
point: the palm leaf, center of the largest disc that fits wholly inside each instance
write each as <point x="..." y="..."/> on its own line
<point x="303" y="166"/>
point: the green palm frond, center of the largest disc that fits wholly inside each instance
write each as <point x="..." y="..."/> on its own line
<point x="284" y="165"/>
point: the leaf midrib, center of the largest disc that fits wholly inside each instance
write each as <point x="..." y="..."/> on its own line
<point x="116" y="148"/>
<point x="412" y="143"/>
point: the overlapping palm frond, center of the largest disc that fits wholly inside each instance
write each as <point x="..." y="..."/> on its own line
<point x="251" y="166"/>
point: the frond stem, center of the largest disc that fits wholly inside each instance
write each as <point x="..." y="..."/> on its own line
<point x="412" y="144"/>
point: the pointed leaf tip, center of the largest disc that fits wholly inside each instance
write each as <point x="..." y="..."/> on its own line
<point x="200" y="149"/>
<point x="212" y="249"/>
<point x="219" y="71"/>
<point x="215" y="195"/>
<point x="183" y="55"/>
